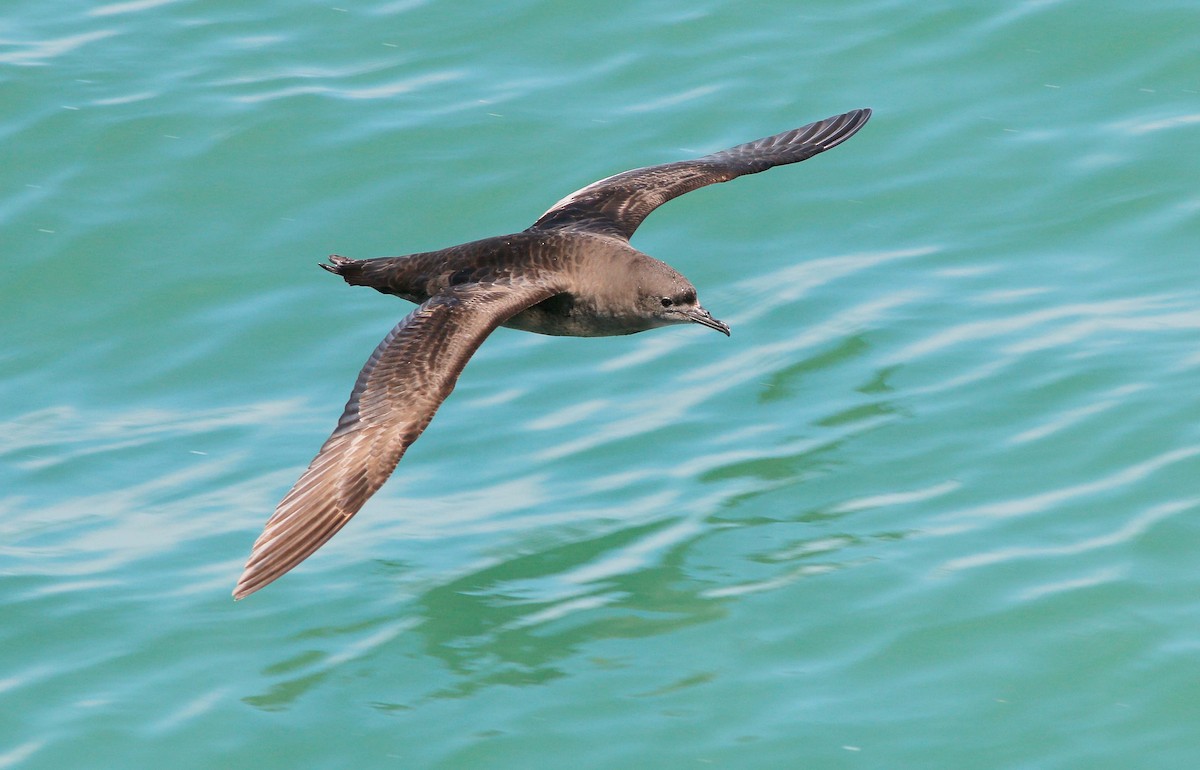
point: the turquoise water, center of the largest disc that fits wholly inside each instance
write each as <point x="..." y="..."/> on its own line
<point x="934" y="504"/>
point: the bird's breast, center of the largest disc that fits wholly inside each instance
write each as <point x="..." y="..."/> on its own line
<point x="565" y="315"/>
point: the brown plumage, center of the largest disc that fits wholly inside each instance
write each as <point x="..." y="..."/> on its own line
<point x="572" y="272"/>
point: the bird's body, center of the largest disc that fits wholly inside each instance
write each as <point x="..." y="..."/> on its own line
<point x="572" y="273"/>
<point x="577" y="264"/>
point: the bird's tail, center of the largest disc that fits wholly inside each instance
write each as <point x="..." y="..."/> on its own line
<point x="351" y="270"/>
<point x="402" y="276"/>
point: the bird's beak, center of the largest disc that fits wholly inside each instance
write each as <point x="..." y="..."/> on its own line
<point x="704" y="318"/>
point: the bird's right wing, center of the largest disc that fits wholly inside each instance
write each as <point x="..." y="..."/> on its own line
<point x="402" y="384"/>
<point x="618" y="204"/>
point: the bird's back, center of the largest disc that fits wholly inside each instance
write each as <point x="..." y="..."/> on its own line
<point x="586" y="267"/>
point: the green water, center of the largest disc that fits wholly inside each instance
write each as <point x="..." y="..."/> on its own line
<point x="934" y="504"/>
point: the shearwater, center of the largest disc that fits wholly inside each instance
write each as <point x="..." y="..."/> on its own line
<point x="573" y="272"/>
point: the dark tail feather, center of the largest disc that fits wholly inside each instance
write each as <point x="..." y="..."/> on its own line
<point x="383" y="274"/>
<point x="351" y="270"/>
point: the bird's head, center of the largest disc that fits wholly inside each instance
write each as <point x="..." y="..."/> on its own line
<point x="669" y="298"/>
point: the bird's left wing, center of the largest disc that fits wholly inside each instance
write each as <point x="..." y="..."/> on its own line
<point x="402" y="384"/>
<point x="618" y="204"/>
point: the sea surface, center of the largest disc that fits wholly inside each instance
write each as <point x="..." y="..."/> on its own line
<point x="934" y="504"/>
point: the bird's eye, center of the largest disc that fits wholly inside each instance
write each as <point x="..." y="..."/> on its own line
<point x="666" y="301"/>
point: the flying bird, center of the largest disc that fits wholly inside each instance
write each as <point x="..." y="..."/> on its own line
<point x="572" y="272"/>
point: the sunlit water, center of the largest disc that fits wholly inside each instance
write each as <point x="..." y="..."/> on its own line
<point x="934" y="504"/>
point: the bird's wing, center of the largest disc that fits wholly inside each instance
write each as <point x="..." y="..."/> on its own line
<point x="402" y="384"/>
<point x="618" y="204"/>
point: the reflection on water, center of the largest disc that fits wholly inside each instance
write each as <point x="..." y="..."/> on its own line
<point x="523" y="618"/>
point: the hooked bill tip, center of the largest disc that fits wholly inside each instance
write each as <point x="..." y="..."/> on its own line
<point x="704" y="318"/>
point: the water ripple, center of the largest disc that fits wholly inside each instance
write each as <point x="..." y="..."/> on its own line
<point x="1135" y="527"/>
<point x="1044" y="501"/>
<point x="132" y="6"/>
<point x="19" y="753"/>
<point x="395" y="87"/>
<point x="1070" y="417"/>
<point x="1092" y="579"/>
<point x="58" y="435"/>
<point x="898" y="498"/>
<point x="41" y="52"/>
